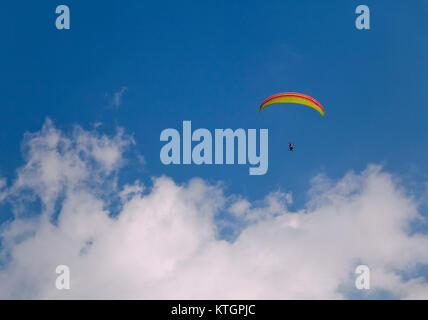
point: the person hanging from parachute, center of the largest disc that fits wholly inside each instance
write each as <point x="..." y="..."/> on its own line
<point x="292" y="97"/>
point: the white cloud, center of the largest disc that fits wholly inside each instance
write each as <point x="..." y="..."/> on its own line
<point x="165" y="242"/>
<point x="3" y="184"/>
<point x="117" y="97"/>
<point x="57" y="163"/>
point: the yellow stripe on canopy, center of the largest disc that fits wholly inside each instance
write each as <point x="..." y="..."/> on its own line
<point x="293" y="99"/>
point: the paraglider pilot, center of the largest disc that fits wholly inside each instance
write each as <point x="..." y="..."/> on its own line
<point x="291" y="146"/>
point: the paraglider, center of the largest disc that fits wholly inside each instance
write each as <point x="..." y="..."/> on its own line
<point x="293" y="97"/>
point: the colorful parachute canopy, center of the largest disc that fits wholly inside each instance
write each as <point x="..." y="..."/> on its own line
<point x="293" y="97"/>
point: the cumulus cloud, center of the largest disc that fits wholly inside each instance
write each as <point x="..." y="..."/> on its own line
<point x="57" y="163"/>
<point x="166" y="241"/>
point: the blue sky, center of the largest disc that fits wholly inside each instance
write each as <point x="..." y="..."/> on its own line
<point x="213" y="63"/>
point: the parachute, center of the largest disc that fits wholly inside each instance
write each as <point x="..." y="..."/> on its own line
<point x="293" y="97"/>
